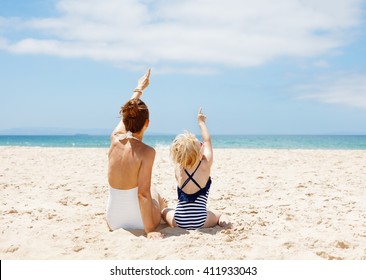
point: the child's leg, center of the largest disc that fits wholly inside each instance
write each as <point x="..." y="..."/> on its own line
<point x="214" y="219"/>
<point x="168" y="216"/>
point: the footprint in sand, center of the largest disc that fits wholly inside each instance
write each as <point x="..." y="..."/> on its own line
<point x="325" y="255"/>
<point x="77" y="249"/>
<point x="301" y="186"/>
<point x="12" y="249"/>
<point x="288" y="245"/>
<point x="50" y="216"/>
<point x="289" y="217"/>
<point x="64" y="201"/>
<point x="12" y="211"/>
<point x="342" y="244"/>
<point x="82" y="204"/>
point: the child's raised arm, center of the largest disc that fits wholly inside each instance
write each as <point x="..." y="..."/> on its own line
<point x="207" y="146"/>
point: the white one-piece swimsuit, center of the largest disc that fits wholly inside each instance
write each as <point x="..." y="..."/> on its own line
<point x="123" y="208"/>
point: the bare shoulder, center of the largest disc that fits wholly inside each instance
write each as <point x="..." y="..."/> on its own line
<point x="148" y="152"/>
<point x="205" y="163"/>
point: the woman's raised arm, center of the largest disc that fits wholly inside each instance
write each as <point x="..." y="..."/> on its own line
<point x="142" y="84"/>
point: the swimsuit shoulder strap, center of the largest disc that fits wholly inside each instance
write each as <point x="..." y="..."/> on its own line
<point x="190" y="177"/>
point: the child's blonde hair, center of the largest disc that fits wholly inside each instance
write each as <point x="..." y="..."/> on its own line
<point x="184" y="150"/>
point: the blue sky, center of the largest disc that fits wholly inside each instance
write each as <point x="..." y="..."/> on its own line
<point x="256" y="67"/>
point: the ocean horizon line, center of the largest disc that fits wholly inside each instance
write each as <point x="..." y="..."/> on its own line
<point x="218" y="141"/>
<point x="197" y="134"/>
<point x="57" y="131"/>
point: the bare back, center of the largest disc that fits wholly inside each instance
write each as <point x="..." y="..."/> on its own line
<point x="127" y="158"/>
<point x="201" y="176"/>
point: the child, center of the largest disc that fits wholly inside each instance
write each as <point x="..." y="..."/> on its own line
<point x="193" y="161"/>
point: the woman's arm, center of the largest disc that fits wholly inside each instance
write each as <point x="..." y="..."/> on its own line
<point x="207" y="145"/>
<point x="147" y="206"/>
<point x="142" y="84"/>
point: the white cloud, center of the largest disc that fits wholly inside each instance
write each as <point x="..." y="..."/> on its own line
<point x="202" y="33"/>
<point x="321" y="64"/>
<point x="344" y="89"/>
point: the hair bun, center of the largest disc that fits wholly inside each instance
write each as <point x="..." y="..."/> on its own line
<point x="134" y="115"/>
<point x="130" y="109"/>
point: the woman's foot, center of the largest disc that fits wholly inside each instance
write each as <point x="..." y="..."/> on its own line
<point x="163" y="203"/>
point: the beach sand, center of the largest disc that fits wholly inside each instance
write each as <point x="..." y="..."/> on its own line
<point x="284" y="204"/>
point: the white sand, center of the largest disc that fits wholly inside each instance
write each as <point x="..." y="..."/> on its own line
<point x="284" y="204"/>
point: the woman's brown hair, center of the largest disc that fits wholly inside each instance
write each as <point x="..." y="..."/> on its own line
<point x="134" y="115"/>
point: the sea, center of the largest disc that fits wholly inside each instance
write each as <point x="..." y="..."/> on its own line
<point x="342" y="142"/>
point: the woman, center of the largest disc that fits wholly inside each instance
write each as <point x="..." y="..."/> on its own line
<point x="132" y="204"/>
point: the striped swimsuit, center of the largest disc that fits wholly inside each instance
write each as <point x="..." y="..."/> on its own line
<point x="191" y="212"/>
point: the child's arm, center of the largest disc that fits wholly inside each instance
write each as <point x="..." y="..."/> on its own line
<point x="142" y="84"/>
<point x="207" y="146"/>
